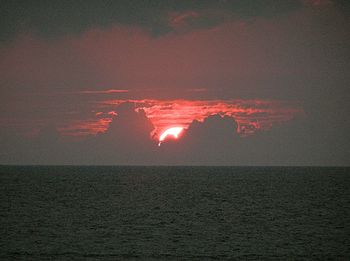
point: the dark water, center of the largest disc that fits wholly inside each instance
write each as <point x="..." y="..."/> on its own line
<point x="174" y="213"/>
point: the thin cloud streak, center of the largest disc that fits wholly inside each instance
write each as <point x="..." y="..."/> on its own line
<point x="197" y="90"/>
<point x="104" y="91"/>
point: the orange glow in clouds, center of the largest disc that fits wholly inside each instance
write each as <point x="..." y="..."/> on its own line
<point x="251" y="115"/>
<point x="174" y="132"/>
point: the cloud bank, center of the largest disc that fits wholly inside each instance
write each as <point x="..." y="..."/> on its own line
<point x="157" y="16"/>
<point x="213" y="141"/>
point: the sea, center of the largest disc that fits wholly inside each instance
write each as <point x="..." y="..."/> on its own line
<point x="174" y="213"/>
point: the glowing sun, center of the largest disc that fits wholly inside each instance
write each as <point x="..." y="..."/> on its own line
<point x="173" y="132"/>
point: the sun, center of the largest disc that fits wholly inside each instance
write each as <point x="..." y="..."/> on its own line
<point x="173" y="131"/>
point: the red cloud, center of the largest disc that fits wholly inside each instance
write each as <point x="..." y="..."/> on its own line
<point x="251" y="115"/>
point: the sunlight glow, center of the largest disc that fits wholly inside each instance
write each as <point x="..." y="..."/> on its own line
<point x="251" y="115"/>
<point x="174" y="132"/>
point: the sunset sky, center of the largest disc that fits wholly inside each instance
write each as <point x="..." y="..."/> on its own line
<point x="251" y="82"/>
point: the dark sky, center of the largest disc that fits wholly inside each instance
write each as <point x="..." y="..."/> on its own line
<point x="277" y="67"/>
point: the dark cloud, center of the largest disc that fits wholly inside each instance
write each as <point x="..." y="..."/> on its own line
<point x="127" y="140"/>
<point x="344" y="6"/>
<point x="129" y="123"/>
<point x="52" y="18"/>
<point x="215" y="129"/>
<point x="211" y="142"/>
<point x="297" y="143"/>
<point x="46" y="147"/>
<point x="214" y="141"/>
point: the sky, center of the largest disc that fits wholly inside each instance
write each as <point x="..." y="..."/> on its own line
<point x="250" y="82"/>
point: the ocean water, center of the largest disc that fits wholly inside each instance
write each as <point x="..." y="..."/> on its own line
<point x="174" y="213"/>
